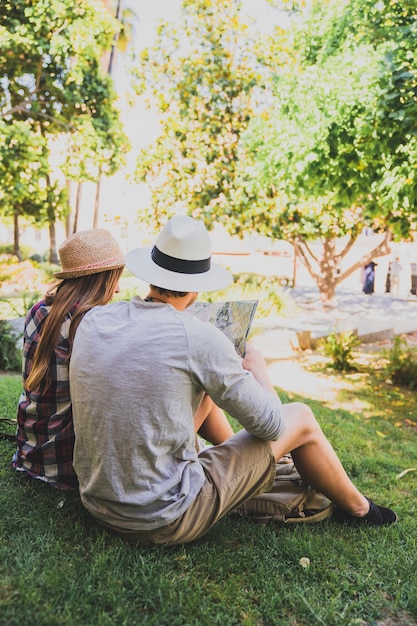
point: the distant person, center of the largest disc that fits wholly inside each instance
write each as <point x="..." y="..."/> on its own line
<point x="92" y="264"/>
<point x="388" y="279"/>
<point x="413" y="270"/>
<point x="139" y="371"/>
<point x="369" y="278"/>
<point x="395" y="271"/>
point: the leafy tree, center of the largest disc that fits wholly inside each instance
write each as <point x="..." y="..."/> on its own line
<point x="52" y="83"/>
<point x="201" y="76"/>
<point x="337" y="151"/>
<point x="95" y="147"/>
<point x="23" y="168"/>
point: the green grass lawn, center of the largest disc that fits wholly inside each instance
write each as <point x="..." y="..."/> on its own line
<point x="58" y="568"/>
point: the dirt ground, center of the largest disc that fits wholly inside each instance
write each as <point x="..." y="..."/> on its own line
<point x="304" y="373"/>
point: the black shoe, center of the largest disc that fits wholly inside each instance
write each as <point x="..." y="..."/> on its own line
<point x="376" y="516"/>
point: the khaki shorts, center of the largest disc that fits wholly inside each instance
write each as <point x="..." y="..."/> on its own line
<point x="236" y="470"/>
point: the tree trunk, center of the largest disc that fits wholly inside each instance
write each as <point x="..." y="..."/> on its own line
<point x="109" y="72"/>
<point x="97" y="202"/>
<point x="16" y="239"/>
<point x="53" y="254"/>
<point x="328" y="277"/>
<point x="77" y="207"/>
<point x="294" y="267"/>
<point x="116" y="37"/>
<point x="68" y="218"/>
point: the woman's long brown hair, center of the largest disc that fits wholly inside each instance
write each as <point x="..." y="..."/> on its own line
<point x="83" y="293"/>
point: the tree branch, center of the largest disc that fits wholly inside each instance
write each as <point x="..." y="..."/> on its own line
<point x="309" y="250"/>
<point x="304" y="259"/>
<point x="23" y="109"/>
<point x="352" y="240"/>
<point x="381" y="249"/>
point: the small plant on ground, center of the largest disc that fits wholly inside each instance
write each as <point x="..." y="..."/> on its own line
<point x="18" y="304"/>
<point x="402" y="363"/>
<point x="22" y="284"/>
<point x="28" y="299"/>
<point x="339" y="346"/>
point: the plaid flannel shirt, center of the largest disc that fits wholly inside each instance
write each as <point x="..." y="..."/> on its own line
<point x="45" y="432"/>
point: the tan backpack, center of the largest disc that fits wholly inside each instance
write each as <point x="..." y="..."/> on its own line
<point x="290" y="499"/>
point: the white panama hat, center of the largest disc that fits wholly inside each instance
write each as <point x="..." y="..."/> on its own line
<point x="180" y="260"/>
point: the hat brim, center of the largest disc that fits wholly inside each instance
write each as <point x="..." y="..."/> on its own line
<point x="140" y="263"/>
<point x="86" y="272"/>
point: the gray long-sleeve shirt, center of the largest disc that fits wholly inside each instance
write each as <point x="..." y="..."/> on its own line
<point x="137" y="375"/>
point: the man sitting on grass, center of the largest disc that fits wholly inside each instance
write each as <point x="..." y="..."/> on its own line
<point x="139" y="373"/>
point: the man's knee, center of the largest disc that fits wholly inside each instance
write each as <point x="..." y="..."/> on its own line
<point x="302" y="416"/>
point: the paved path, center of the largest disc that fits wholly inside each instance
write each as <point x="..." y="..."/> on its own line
<point x="373" y="317"/>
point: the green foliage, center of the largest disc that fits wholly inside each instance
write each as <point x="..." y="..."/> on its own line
<point x="28" y="299"/>
<point x="330" y="151"/>
<point x="48" y="270"/>
<point x="18" y="304"/>
<point x="23" y="169"/>
<point x="53" y="87"/>
<point x="43" y="36"/>
<point x="202" y="77"/>
<point x="310" y="198"/>
<point x="10" y="355"/>
<point x="339" y="346"/>
<point x="337" y="148"/>
<point x="385" y="125"/>
<point x="7" y="249"/>
<point x="24" y="283"/>
<point x="402" y="363"/>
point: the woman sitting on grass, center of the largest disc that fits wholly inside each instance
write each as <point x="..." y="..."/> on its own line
<point x="92" y="264"/>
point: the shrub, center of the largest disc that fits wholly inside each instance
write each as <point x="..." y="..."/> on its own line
<point x="339" y="347"/>
<point x="10" y="354"/>
<point x="17" y="305"/>
<point x="402" y="363"/>
<point x="48" y="270"/>
<point x="7" y="249"/>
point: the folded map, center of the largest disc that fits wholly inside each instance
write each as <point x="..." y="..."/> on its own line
<point x="234" y="318"/>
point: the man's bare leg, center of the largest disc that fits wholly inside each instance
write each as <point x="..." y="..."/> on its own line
<point x="316" y="460"/>
<point x="314" y="457"/>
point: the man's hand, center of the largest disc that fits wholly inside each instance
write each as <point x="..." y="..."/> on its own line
<point x="254" y="362"/>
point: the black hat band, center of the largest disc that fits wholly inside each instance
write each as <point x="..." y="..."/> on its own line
<point x="182" y="266"/>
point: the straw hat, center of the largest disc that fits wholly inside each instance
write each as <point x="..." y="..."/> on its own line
<point x="89" y="252"/>
<point x="180" y="260"/>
